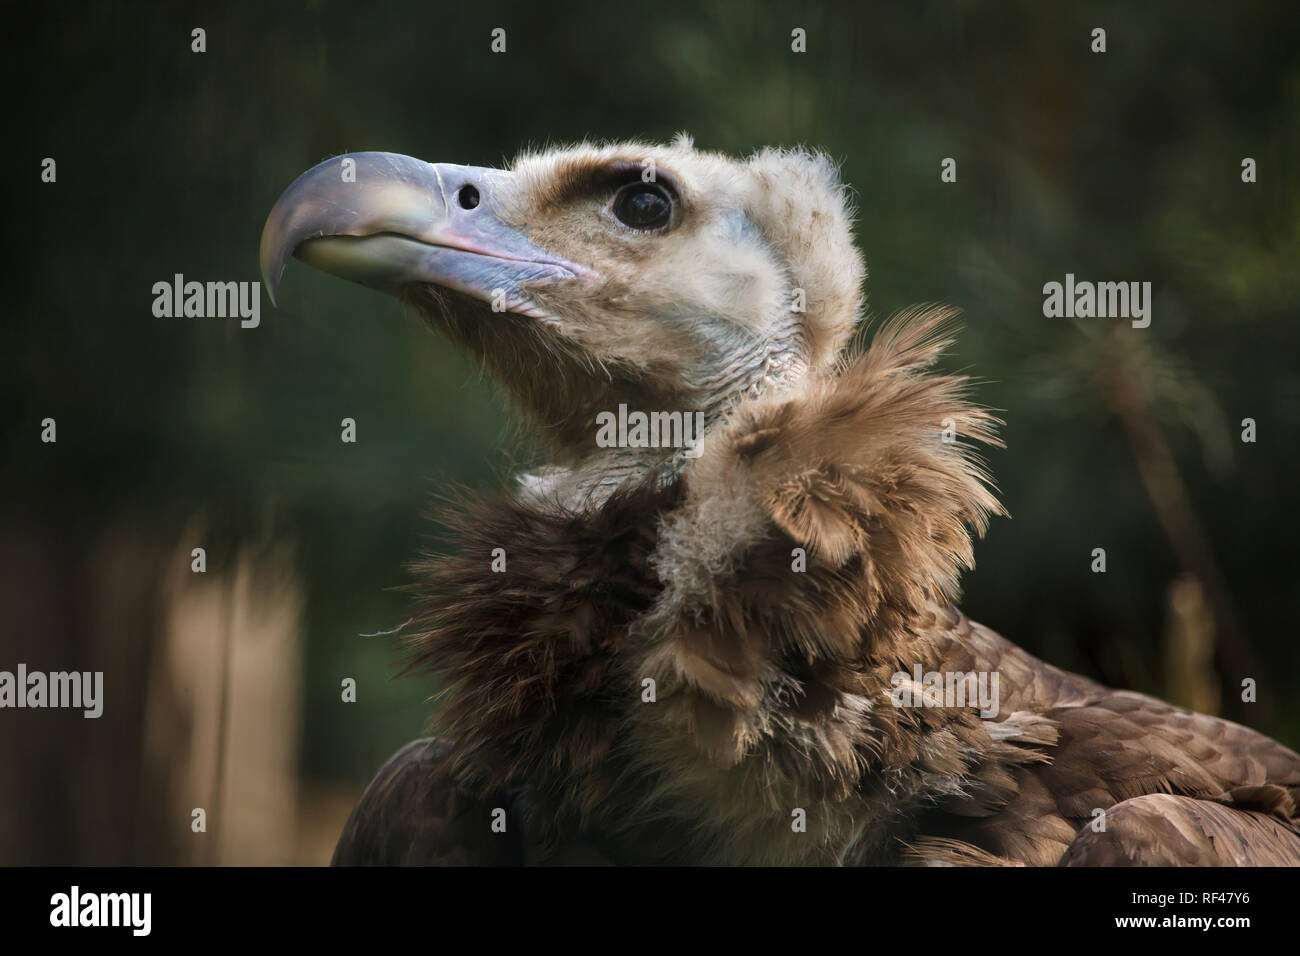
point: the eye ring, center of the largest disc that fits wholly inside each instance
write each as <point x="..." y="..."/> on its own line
<point x="643" y="206"/>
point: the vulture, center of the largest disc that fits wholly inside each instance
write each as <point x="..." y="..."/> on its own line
<point x="723" y="630"/>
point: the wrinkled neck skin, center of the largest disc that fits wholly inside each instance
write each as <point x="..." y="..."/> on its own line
<point x="744" y="374"/>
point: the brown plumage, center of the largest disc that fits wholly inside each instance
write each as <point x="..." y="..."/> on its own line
<point x="686" y="656"/>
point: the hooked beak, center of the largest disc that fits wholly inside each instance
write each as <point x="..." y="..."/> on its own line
<point x="386" y="220"/>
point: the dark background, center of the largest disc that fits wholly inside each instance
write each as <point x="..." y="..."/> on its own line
<point x="223" y="689"/>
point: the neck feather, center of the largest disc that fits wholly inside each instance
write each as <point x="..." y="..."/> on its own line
<point x="777" y="364"/>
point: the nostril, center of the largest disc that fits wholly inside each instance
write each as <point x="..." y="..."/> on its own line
<point x="467" y="197"/>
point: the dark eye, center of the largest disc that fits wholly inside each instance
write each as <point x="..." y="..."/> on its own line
<point x="643" y="206"/>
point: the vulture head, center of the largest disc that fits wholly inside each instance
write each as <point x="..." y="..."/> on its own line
<point x="660" y="277"/>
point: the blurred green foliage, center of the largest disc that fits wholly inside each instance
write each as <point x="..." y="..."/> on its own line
<point x="1122" y="166"/>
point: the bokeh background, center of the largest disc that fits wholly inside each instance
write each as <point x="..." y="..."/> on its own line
<point x="223" y="688"/>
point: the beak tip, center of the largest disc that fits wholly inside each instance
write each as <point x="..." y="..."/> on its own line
<point x="271" y="260"/>
<point x="271" y="283"/>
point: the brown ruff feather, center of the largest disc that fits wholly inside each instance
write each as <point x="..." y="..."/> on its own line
<point x="771" y="685"/>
